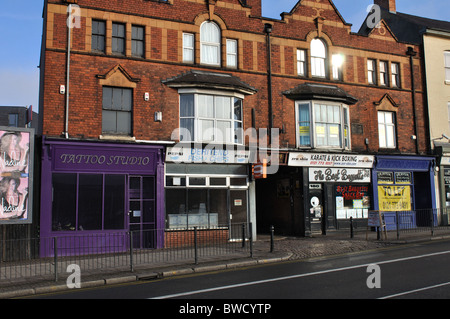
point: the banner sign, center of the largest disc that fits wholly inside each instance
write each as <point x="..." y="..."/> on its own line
<point x="394" y="198"/>
<point x="330" y="160"/>
<point x="16" y="164"/>
<point x="346" y="175"/>
<point x="206" y="155"/>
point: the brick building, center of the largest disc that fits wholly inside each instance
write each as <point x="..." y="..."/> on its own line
<point x="147" y="117"/>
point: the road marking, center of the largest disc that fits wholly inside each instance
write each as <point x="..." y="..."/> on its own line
<point x="415" y="290"/>
<point x="258" y="282"/>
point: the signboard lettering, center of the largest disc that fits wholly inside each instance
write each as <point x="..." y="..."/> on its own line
<point x="339" y="175"/>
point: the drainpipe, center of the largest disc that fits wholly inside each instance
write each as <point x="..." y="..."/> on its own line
<point x="412" y="54"/>
<point x="268" y="31"/>
<point x="69" y="44"/>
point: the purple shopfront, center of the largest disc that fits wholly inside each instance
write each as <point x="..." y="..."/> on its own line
<point x="94" y="195"/>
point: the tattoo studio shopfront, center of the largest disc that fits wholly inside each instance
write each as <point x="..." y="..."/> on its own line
<point x="94" y="193"/>
<point x="336" y="187"/>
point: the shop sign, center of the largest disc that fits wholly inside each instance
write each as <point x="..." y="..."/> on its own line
<point x="103" y="159"/>
<point x="346" y="175"/>
<point x="394" y="198"/>
<point x="385" y="177"/>
<point x="16" y="165"/>
<point x="206" y="155"/>
<point x="330" y="160"/>
<point x="403" y="178"/>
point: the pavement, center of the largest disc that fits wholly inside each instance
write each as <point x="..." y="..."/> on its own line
<point x="284" y="249"/>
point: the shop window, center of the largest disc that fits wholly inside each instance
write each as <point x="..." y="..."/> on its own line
<point x="88" y="202"/>
<point x="64" y="202"/>
<point x="205" y="202"/>
<point x="318" y="58"/>
<point x="352" y="201"/>
<point x="323" y="125"/>
<point x="114" y="202"/>
<point x="211" y="118"/>
<point x="210" y="43"/>
<point x="386" y="129"/>
<point x="117" y="108"/>
<point x="90" y="191"/>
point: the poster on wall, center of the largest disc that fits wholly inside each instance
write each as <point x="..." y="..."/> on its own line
<point x="394" y="198"/>
<point x="16" y="165"/>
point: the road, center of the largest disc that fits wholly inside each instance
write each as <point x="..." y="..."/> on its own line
<point x="413" y="271"/>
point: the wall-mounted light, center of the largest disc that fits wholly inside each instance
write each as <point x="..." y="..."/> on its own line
<point x="62" y="89"/>
<point x="158" y="116"/>
<point x="146" y="96"/>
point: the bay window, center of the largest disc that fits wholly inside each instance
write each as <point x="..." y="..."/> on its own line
<point x="211" y="118"/>
<point x="322" y="124"/>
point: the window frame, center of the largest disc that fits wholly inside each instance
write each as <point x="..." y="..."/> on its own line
<point x="233" y="54"/>
<point x="135" y="41"/>
<point x="395" y="75"/>
<point x="116" y="110"/>
<point x="372" y="72"/>
<point x="447" y="66"/>
<point x="386" y="125"/>
<point x="204" y="43"/>
<point x="121" y="48"/>
<point x="302" y="65"/>
<point x="319" y="62"/>
<point x="338" y="70"/>
<point x="98" y="37"/>
<point x="344" y="125"/>
<point x="235" y="124"/>
<point x="383" y="74"/>
<point x="188" y="47"/>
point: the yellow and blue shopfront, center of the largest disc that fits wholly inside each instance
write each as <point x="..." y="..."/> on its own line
<point x="405" y="184"/>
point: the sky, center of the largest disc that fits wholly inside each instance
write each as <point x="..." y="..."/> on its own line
<point x="21" y="31"/>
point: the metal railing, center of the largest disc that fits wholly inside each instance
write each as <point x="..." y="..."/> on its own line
<point x="403" y="224"/>
<point x="48" y="258"/>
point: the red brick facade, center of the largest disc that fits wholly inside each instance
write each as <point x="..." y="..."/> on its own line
<point x="165" y="22"/>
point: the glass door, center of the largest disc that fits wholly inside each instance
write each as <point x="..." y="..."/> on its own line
<point x="141" y="215"/>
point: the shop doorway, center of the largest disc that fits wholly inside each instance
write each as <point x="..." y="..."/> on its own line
<point x="317" y="211"/>
<point x="238" y="213"/>
<point x="142" y="212"/>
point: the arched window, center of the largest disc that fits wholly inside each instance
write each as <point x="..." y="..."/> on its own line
<point x="210" y="43"/>
<point x="318" y="58"/>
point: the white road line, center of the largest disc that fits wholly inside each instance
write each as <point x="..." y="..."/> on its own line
<point x="415" y="290"/>
<point x="194" y="292"/>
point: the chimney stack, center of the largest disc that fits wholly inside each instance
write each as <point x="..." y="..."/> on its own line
<point x="387" y="4"/>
